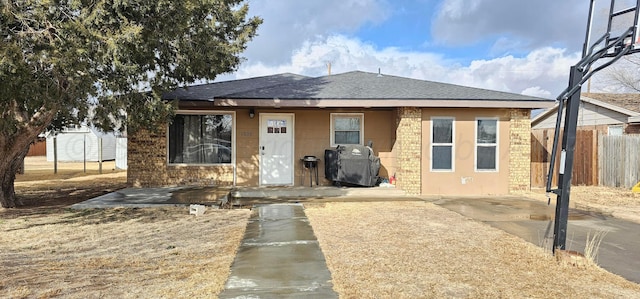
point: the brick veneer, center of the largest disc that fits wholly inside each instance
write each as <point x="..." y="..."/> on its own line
<point x="147" y="164"/>
<point x="519" y="151"/>
<point x="409" y="139"/>
<point x="632" y="129"/>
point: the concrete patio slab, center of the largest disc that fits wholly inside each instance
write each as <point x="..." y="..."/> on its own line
<point x="240" y="196"/>
<point x="155" y="197"/>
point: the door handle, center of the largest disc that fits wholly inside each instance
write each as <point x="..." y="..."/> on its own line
<point x="262" y="147"/>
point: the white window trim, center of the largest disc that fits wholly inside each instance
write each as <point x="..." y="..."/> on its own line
<point x="497" y="145"/>
<point x="207" y="112"/>
<point x="331" y="130"/>
<point x="453" y="144"/>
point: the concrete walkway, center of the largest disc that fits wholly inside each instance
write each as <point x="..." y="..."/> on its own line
<point x="279" y="257"/>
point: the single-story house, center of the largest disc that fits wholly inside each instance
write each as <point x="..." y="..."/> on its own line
<point x="81" y="143"/>
<point x="434" y="138"/>
<point x="607" y="113"/>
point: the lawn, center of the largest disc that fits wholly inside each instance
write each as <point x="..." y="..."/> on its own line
<point x="418" y="250"/>
<point x="373" y="250"/>
<point x="118" y="253"/>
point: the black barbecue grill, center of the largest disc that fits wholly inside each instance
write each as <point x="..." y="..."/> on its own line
<point x="351" y="165"/>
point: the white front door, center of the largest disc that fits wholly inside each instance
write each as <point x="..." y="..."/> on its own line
<point x="276" y="149"/>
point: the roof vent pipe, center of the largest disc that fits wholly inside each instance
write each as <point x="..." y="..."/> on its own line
<point x="329" y="68"/>
<point x="379" y="74"/>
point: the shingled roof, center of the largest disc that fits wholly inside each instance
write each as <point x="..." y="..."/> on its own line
<point x="363" y="85"/>
<point x="208" y="92"/>
<point x="351" y="89"/>
<point x="629" y="101"/>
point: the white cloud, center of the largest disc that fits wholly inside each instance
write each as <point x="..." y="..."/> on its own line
<point x="543" y="72"/>
<point x="289" y="23"/>
<point x="527" y="24"/>
<point x="536" y="91"/>
<point x="530" y="44"/>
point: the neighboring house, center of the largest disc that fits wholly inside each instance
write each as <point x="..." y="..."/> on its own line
<point x="609" y="114"/>
<point x="435" y="138"/>
<point x="81" y="143"/>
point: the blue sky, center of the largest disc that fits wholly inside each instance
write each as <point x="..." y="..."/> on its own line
<point x="518" y="46"/>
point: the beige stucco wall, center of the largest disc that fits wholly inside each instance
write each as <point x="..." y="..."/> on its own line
<point x="401" y="138"/>
<point x="148" y="150"/>
<point x="464" y="179"/>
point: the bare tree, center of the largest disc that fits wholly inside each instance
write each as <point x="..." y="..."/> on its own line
<point x="624" y="75"/>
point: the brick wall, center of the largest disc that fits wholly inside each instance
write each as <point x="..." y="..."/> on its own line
<point x="409" y="139"/>
<point x="520" y="150"/>
<point x="147" y="164"/>
<point x="632" y="129"/>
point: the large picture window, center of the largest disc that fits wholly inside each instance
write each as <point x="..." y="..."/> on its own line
<point x="346" y="128"/>
<point x="442" y="143"/>
<point x="487" y="144"/>
<point x="201" y="139"/>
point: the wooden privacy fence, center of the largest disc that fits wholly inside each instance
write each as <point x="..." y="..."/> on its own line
<point x="38" y="148"/>
<point x="619" y="160"/>
<point x="585" y="166"/>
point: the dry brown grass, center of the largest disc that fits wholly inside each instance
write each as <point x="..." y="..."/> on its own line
<point x="50" y="251"/>
<point x="374" y="250"/>
<point x="417" y="250"/>
<point x="119" y="253"/>
<point x="38" y="168"/>
<point x="617" y="202"/>
<point x="600" y="195"/>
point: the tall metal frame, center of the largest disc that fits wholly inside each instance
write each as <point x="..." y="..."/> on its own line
<point x="613" y="47"/>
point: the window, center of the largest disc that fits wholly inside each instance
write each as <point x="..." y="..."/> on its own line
<point x="442" y="143"/>
<point x="615" y="130"/>
<point x="201" y="139"/>
<point x="487" y="144"/>
<point x="347" y="128"/>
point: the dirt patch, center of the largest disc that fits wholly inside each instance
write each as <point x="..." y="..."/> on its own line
<point x="416" y="249"/>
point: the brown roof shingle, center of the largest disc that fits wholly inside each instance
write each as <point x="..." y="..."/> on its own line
<point x="630" y="101"/>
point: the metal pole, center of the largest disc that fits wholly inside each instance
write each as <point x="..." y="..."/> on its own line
<point x="84" y="152"/>
<point x="100" y="155"/>
<point x="55" y="154"/>
<point x="587" y="39"/>
<point x="566" y="161"/>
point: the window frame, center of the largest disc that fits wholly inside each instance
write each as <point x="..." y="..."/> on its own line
<point x="332" y="126"/>
<point x="496" y="145"/>
<point x="610" y="127"/>
<point x="452" y="144"/>
<point x="208" y="112"/>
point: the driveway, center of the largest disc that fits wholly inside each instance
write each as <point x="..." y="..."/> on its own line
<point x="532" y="220"/>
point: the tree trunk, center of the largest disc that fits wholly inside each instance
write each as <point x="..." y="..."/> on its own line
<point x="14" y="146"/>
<point x="8" y="171"/>
<point x="7" y="196"/>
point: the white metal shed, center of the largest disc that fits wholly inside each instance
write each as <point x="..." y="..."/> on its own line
<point x="81" y="144"/>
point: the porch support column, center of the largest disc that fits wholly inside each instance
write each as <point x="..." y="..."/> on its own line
<point x="147" y="158"/>
<point x="519" y="151"/>
<point x="409" y="139"/>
